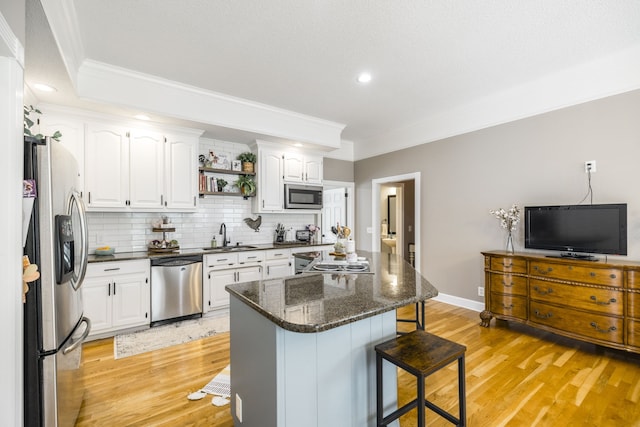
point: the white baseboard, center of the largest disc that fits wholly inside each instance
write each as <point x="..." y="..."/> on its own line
<point x="460" y="302"/>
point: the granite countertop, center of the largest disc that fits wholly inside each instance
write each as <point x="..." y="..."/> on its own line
<point x="315" y="302"/>
<point x="127" y="256"/>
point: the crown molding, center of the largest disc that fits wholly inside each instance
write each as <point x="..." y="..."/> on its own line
<point x="9" y="44"/>
<point x="119" y="86"/>
<point x="63" y="21"/>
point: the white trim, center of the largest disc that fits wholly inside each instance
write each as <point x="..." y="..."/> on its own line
<point x="460" y="302"/>
<point x="9" y="44"/>
<point x="119" y="86"/>
<point x="375" y="211"/>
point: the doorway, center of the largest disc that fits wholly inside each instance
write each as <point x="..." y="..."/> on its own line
<point x="403" y="193"/>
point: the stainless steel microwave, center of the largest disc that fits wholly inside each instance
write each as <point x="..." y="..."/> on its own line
<point x="298" y="196"/>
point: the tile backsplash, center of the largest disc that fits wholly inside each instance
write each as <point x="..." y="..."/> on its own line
<point x="132" y="231"/>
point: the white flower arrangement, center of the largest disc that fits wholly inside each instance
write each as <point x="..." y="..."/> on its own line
<point x="508" y="219"/>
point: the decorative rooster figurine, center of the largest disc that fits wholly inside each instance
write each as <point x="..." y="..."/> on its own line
<point x="254" y="224"/>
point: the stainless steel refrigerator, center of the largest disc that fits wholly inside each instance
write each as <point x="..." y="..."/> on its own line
<point x="54" y="324"/>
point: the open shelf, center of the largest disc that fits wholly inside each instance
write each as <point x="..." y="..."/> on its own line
<point x="225" y="171"/>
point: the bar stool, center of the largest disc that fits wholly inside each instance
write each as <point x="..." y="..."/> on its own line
<point x="421" y="354"/>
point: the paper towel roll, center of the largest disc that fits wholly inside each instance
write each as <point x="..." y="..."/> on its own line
<point x="350" y="246"/>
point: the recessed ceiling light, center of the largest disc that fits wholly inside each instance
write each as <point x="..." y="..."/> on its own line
<point x="44" y="87"/>
<point x="142" y="117"/>
<point x="297" y="144"/>
<point x="364" y="77"/>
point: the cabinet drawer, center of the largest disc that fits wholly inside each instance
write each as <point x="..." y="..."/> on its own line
<point x="508" y="264"/>
<point x="633" y="333"/>
<point x="633" y="304"/>
<point x="633" y="279"/>
<point x="592" y="325"/>
<point x="606" y="301"/>
<point x="278" y="254"/>
<point x="577" y="273"/>
<point x="507" y="305"/>
<point x="225" y="258"/>
<point x="508" y="284"/>
<point x="248" y="257"/>
<point x="111" y="268"/>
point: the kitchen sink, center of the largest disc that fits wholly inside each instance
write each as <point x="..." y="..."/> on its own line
<point x="230" y="248"/>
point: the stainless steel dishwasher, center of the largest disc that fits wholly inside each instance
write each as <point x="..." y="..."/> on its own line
<point x="176" y="288"/>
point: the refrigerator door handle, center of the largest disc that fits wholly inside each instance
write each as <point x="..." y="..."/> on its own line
<point x="76" y="281"/>
<point x="73" y="344"/>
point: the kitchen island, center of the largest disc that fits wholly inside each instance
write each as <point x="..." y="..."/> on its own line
<point x="302" y="346"/>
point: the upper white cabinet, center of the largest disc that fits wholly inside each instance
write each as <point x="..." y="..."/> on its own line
<point x="299" y="167"/>
<point x="144" y="170"/>
<point x="269" y="189"/>
<point x="72" y="138"/>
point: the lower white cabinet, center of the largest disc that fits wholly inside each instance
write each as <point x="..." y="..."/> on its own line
<point x="278" y="264"/>
<point x="226" y="269"/>
<point x="116" y="295"/>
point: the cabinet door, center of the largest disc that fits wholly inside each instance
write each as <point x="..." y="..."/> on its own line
<point x="313" y="170"/>
<point x="270" y="188"/>
<point x="96" y="296"/>
<point x="276" y="269"/>
<point x="146" y="170"/>
<point x="249" y="274"/>
<point x="72" y="138"/>
<point x="131" y="300"/>
<point x="106" y="166"/>
<point x="181" y="173"/>
<point x="217" y="280"/>
<point x="293" y="167"/>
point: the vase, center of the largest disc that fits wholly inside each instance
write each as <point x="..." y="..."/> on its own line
<point x="509" y="247"/>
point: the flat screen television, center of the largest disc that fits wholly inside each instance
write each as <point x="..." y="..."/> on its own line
<point x="577" y="229"/>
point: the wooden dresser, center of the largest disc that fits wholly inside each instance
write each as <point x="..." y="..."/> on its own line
<point x="597" y="302"/>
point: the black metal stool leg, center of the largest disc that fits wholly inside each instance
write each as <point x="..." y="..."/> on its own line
<point x="420" y="398"/>
<point x="379" y="406"/>
<point x="462" y="399"/>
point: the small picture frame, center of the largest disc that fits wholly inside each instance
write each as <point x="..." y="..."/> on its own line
<point x="221" y="162"/>
<point x="236" y="165"/>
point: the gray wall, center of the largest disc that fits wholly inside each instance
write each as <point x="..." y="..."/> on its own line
<point x="538" y="160"/>
<point x="337" y="170"/>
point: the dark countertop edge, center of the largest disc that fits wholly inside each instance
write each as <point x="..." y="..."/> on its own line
<point x="295" y="327"/>
<point x="127" y="256"/>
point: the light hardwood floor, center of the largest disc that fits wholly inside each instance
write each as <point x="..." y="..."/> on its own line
<point x="515" y="376"/>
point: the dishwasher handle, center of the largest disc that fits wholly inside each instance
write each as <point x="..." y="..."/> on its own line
<point x="175" y="261"/>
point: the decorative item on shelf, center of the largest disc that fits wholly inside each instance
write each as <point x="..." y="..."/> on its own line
<point x="236" y="165"/>
<point x="254" y="224"/>
<point x="508" y="220"/>
<point x="221" y="183"/>
<point x="202" y="160"/>
<point x="246" y="185"/>
<point x="248" y="159"/>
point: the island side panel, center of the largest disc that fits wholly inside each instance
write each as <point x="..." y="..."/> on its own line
<point x="253" y="366"/>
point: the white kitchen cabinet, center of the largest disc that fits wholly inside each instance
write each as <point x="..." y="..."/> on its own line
<point x="140" y="170"/>
<point x="278" y="264"/>
<point x="106" y="166"/>
<point x="72" y="138"/>
<point x="224" y="269"/>
<point x="270" y="188"/>
<point x="181" y="172"/>
<point x="116" y="296"/>
<point x="300" y="167"/>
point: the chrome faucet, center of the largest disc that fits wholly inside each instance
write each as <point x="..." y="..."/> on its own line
<point x="223" y="231"/>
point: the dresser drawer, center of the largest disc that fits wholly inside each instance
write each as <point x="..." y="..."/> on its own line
<point x="577" y="273"/>
<point x="633" y="333"/>
<point x="508" y="284"/>
<point x="633" y="305"/>
<point x="592" y="325"/>
<point x="508" y="264"/>
<point x="507" y="305"/>
<point x="633" y="279"/>
<point x="605" y="301"/>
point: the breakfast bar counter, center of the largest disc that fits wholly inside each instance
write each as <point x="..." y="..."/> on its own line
<point x="302" y="346"/>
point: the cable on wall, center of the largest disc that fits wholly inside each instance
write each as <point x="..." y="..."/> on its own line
<point x="589" y="189"/>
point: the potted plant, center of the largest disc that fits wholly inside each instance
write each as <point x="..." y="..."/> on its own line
<point x="28" y="123"/>
<point x="247" y="185"/>
<point x="248" y="159"/>
<point x="221" y="184"/>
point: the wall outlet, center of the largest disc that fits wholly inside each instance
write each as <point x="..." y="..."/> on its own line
<point x="238" y="407"/>
<point x="369" y="230"/>
<point x="480" y="291"/>
<point x="590" y="166"/>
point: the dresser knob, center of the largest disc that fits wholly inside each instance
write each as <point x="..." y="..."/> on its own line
<point x="595" y="326"/>
<point x="613" y="276"/>
<point x="595" y="299"/>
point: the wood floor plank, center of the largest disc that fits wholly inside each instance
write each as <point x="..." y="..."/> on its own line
<point x="515" y="376"/>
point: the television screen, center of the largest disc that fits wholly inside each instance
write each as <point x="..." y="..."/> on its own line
<point x="577" y="228"/>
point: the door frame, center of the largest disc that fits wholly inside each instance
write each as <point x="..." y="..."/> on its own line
<point x="376" y="184"/>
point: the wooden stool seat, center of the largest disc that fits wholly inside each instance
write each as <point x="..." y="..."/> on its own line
<point x="421" y="354"/>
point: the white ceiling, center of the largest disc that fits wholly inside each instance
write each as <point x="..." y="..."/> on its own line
<point x="439" y="67"/>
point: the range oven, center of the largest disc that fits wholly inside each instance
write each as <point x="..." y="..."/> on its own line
<point x="298" y="196"/>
